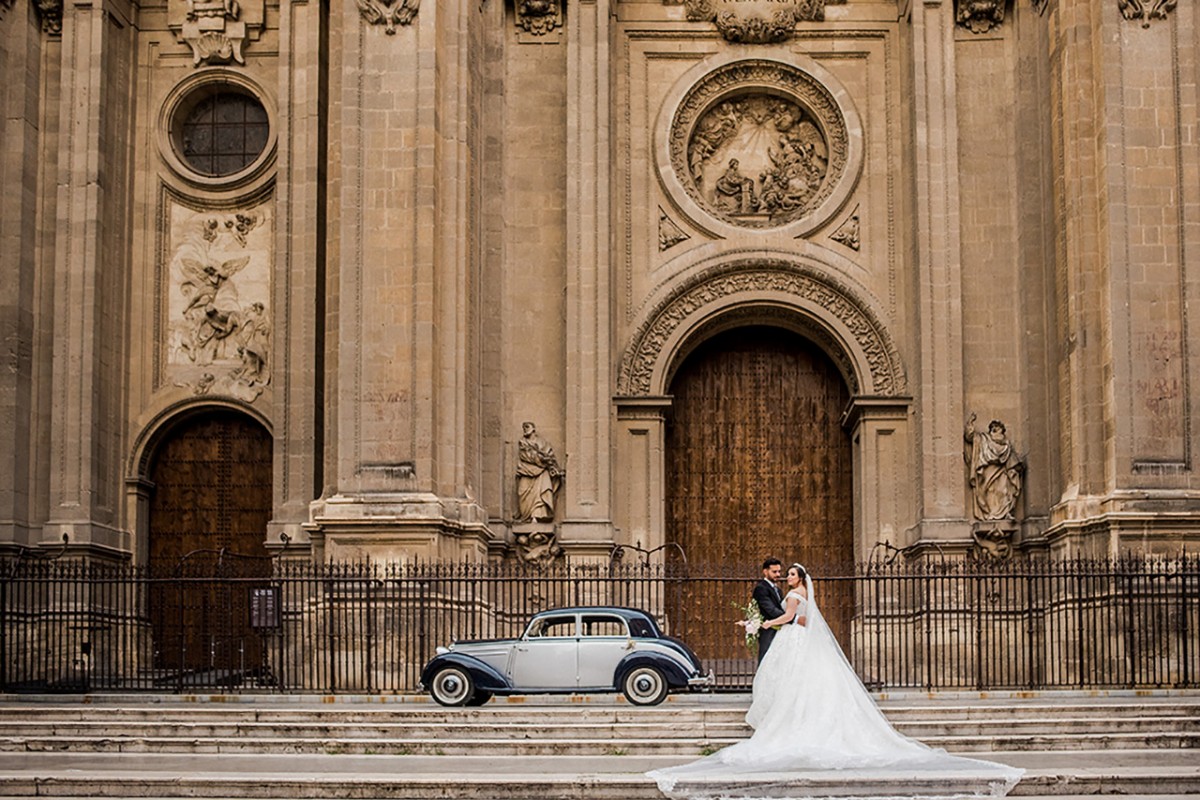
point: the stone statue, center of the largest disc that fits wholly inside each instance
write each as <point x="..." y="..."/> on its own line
<point x="735" y="191"/>
<point x="995" y="471"/>
<point x="538" y="476"/>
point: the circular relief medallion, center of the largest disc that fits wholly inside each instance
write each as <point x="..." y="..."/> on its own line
<point x="759" y="144"/>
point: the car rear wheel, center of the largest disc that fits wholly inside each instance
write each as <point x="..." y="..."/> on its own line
<point x="452" y="686"/>
<point x="645" y="686"/>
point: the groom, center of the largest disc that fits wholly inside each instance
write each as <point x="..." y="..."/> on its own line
<point x="766" y="594"/>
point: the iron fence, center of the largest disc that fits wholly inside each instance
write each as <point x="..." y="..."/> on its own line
<point x="242" y="625"/>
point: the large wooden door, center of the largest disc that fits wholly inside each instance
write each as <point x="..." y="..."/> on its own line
<point x="758" y="464"/>
<point x="209" y="508"/>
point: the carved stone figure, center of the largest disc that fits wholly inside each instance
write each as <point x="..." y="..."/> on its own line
<point x="1146" y="10"/>
<point x="389" y="13"/>
<point x="980" y="15"/>
<point x="538" y="476"/>
<point x="735" y="191"/>
<point x="995" y="471"/>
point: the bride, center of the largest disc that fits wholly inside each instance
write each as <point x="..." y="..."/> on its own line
<point x="814" y="722"/>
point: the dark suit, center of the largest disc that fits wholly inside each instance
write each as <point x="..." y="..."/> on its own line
<point x="769" y="600"/>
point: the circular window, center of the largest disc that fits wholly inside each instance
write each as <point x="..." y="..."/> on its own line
<point x="216" y="129"/>
<point x="221" y="133"/>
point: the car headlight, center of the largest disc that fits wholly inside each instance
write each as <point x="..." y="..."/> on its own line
<point x="441" y="651"/>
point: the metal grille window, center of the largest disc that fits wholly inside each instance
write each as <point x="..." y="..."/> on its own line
<point x="224" y="133"/>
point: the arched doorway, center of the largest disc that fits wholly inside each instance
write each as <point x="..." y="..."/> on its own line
<point x="209" y="508"/>
<point x="757" y="464"/>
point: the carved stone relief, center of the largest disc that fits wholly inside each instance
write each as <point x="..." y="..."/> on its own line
<point x="758" y="144"/>
<point x="218" y="330"/>
<point x="5" y="5"/>
<point x="537" y="544"/>
<point x="757" y="21"/>
<point x="980" y="16"/>
<point x="669" y="234"/>
<point x="1146" y="10"/>
<point x="757" y="276"/>
<point x="216" y="30"/>
<point x="1040" y="6"/>
<point x="847" y="233"/>
<point x="389" y="13"/>
<point x="538" y="18"/>
<point x="51" y="14"/>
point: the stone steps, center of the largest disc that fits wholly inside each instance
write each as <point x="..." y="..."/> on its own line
<point x="515" y="785"/>
<point x="554" y="750"/>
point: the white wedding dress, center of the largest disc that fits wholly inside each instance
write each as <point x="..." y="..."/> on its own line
<point x="818" y="733"/>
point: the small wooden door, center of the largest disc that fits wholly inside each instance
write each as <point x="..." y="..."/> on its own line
<point x="209" y="508"/>
<point x="758" y="464"/>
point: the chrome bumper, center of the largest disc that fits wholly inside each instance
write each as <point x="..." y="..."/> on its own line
<point x="702" y="681"/>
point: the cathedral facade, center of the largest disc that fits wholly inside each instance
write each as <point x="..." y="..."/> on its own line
<point x="546" y="279"/>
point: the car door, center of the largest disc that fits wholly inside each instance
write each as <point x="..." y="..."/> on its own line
<point x="547" y="657"/>
<point x="603" y="642"/>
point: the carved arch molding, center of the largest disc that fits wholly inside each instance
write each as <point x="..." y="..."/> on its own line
<point x="874" y="368"/>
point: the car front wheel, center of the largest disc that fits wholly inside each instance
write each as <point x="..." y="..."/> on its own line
<point x="452" y="686"/>
<point x="645" y="686"/>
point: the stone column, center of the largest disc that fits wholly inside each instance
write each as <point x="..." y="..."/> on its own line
<point x="300" y="203"/>
<point x="91" y="264"/>
<point x="939" y="373"/>
<point x="1124" y="98"/>
<point x="20" y="141"/>
<point x="880" y="437"/>
<point x="403" y="379"/>
<point x="639" y="516"/>
<point x="587" y="524"/>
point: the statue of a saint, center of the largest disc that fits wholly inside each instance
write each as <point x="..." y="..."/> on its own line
<point x="538" y="476"/>
<point x="735" y="191"/>
<point x="995" y="470"/>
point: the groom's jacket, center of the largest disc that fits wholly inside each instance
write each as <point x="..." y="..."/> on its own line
<point x="770" y="604"/>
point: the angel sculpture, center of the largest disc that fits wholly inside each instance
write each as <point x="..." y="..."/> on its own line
<point x="212" y="311"/>
<point x="389" y="12"/>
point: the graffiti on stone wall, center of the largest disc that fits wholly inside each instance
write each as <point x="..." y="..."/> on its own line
<point x="219" y="320"/>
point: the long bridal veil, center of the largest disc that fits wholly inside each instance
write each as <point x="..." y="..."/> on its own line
<point x="818" y="733"/>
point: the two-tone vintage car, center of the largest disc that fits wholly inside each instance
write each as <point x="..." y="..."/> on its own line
<point x="588" y="649"/>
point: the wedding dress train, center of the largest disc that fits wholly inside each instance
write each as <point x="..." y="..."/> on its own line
<point x="818" y="733"/>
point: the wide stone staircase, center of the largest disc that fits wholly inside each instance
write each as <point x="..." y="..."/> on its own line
<point x="245" y="746"/>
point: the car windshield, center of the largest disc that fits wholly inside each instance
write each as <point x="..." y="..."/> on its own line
<point x="551" y="627"/>
<point x="603" y="625"/>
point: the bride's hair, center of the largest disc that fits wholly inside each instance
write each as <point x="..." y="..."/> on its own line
<point x="799" y="571"/>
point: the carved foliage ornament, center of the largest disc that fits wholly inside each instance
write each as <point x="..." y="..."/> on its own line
<point x="215" y="31"/>
<point x="759" y="144"/>
<point x="1146" y="10"/>
<point x="757" y="276"/>
<point x="51" y="14"/>
<point x="389" y="13"/>
<point x="757" y="21"/>
<point x="980" y="15"/>
<point x="539" y="17"/>
<point x="669" y="234"/>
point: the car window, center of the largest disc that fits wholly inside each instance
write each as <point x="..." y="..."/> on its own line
<point x="551" y="628"/>
<point x="603" y="625"/>
<point x="642" y="628"/>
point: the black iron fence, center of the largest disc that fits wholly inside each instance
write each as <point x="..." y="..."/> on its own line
<point x="238" y="625"/>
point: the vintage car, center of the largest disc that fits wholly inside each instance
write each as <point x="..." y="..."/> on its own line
<point x="589" y="649"/>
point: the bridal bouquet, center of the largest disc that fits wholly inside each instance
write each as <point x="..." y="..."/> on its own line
<point x="752" y="623"/>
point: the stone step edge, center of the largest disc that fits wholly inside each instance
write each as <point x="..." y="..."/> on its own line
<point x="568" y="787"/>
